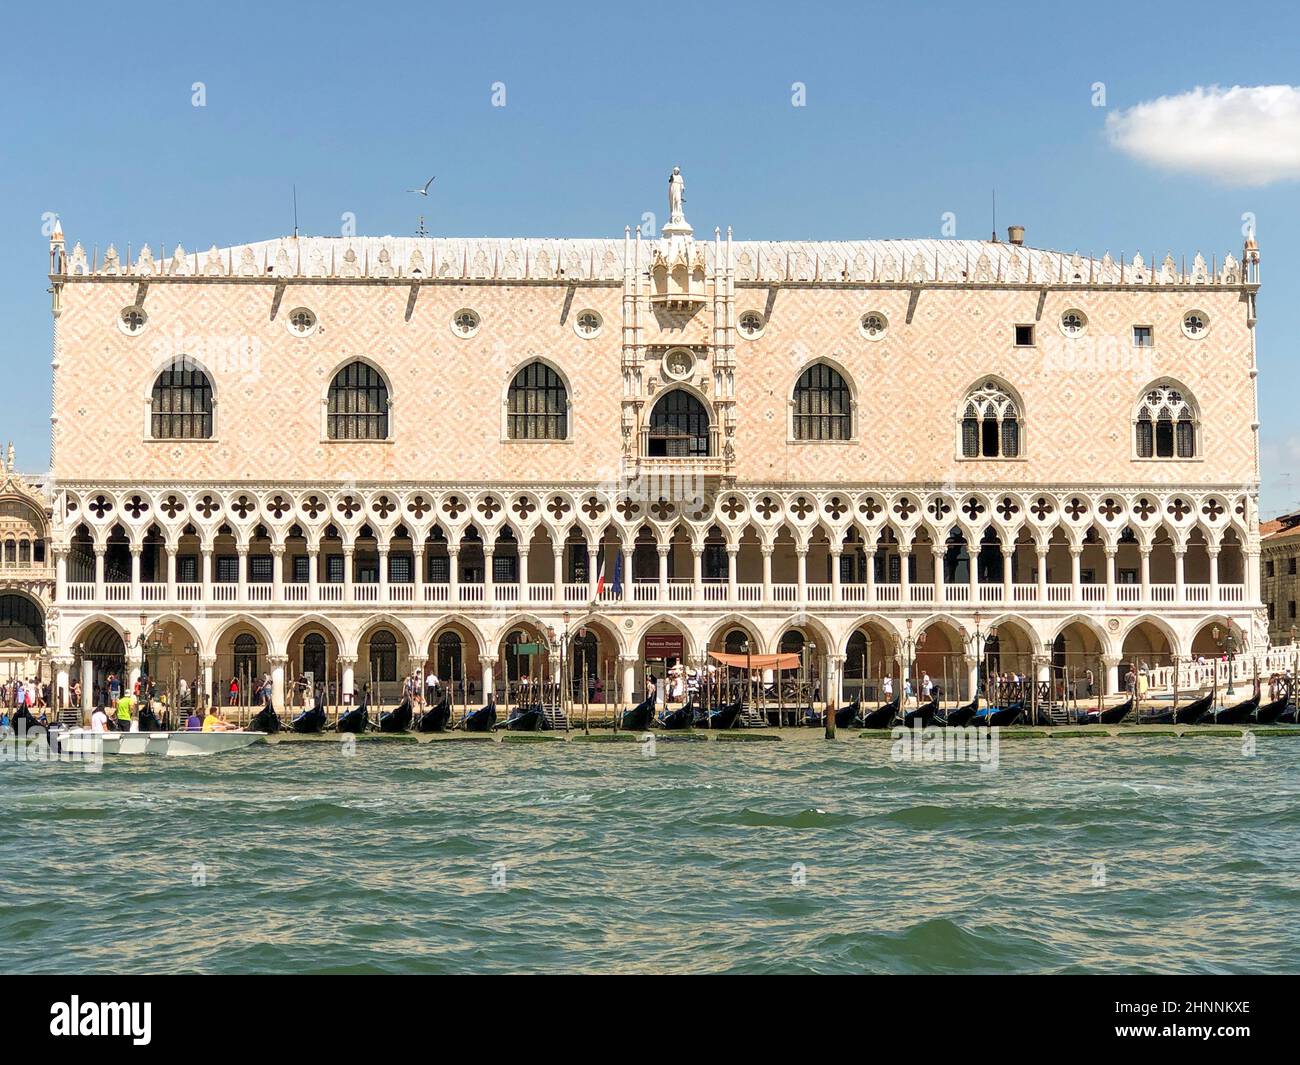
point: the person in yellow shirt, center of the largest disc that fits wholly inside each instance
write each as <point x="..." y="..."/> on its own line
<point x="214" y="722"/>
<point x="125" y="707"/>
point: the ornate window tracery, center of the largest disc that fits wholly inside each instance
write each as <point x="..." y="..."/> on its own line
<point x="1166" y="424"/>
<point x="990" y="424"/>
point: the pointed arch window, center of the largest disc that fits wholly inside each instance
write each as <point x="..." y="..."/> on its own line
<point x="990" y="424"/>
<point x="383" y="656"/>
<point x="358" y="404"/>
<point x="180" y="407"/>
<point x="679" y="427"/>
<point x="537" y="406"/>
<point x="1166" y="425"/>
<point x="822" y="405"/>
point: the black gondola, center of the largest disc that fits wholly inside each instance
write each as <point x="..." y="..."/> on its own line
<point x="265" y="720"/>
<point x="480" y="720"/>
<point x="398" y="719"/>
<point x="1270" y="712"/>
<point x="638" y="718"/>
<point x="309" y="721"/>
<point x="998" y="716"/>
<point x="355" y="720"/>
<point x="881" y="716"/>
<point x="960" y="717"/>
<point x="846" y="715"/>
<point x="923" y="716"/>
<point x="1110" y="715"/>
<point x="1289" y="717"/>
<point x="1233" y="715"/>
<point x="524" y="719"/>
<point x="435" y="719"/>
<point x="683" y="717"/>
<point x="724" y="717"/>
<point x="149" y="721"/>
<point x="1187" y="714"/>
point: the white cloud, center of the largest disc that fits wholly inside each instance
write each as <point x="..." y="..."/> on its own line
<point x="1245" y="135"/>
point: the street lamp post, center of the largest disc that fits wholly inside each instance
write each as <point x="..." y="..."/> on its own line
<point x="1229" y="647"/>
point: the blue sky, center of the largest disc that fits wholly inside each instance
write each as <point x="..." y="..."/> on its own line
<point x="912" y="111"/>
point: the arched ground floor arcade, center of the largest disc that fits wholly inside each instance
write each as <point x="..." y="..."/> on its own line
<point x="607" y="657"/>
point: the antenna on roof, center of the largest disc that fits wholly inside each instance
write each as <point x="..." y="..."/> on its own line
<point x="295" y="211"/>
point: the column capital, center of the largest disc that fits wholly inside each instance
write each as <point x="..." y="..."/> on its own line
<point x="62" y="661"/>
<point x="277" y="550"/>
<point x="487" y="660"/>
<point x="629" y="660"/>
<point x="277" y="661"/>
<point x="208" y="661"/>
<point x="347" y="661"/>
<point x="1110" y="661"/>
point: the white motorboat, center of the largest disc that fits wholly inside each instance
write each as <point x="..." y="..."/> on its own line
<point x="79" y="741"/>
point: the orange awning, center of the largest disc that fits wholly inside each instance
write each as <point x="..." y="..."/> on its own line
<point x="788" y="661"/>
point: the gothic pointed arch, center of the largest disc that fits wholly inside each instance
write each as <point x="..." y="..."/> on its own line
<point x="1166" y="422"/>
<point x="679" y="425"/>
<point x="182" y="402"/>
<point x="990" y="421"/>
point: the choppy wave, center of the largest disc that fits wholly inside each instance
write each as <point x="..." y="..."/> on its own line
<point x="794" y="857"/>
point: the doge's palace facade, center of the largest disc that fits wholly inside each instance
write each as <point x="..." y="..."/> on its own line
<point x="360" y="455"/>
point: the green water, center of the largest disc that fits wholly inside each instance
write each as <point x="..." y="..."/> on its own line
<point x="298" y="858"/>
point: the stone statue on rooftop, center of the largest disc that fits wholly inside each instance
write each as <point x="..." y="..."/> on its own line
<point x="676" y="196"/>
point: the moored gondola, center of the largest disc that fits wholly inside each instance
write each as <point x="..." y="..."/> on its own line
<point x="309" y="721"/>
<point x="1187" y="714"/>
<point x="638" y="718"/>
<point x="436" y="718"/>
<point x="149" y="721"/>
<point x="265" y="720"/>
<point x="998" y="716"/>
<point x="1271" y="712"/>
<point x="1233" y="715"/>
<point x="480" y="720"/>
<point x="847" y="714"/>
<point x="1290" y="715"/>
<point x="960" y="716"/>
<point x="524" y="719"/>
<point x="1110" y="715"/>
<point x="881" y="716"/>
<point x="398" y="719"/>
<point x="355" y="720"/>
<point x="724" y="717"/>
<point x="671" y="720"/>
<point x="923" y="716"/>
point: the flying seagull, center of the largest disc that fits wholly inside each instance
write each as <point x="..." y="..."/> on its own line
<point x="424" y="191"/>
